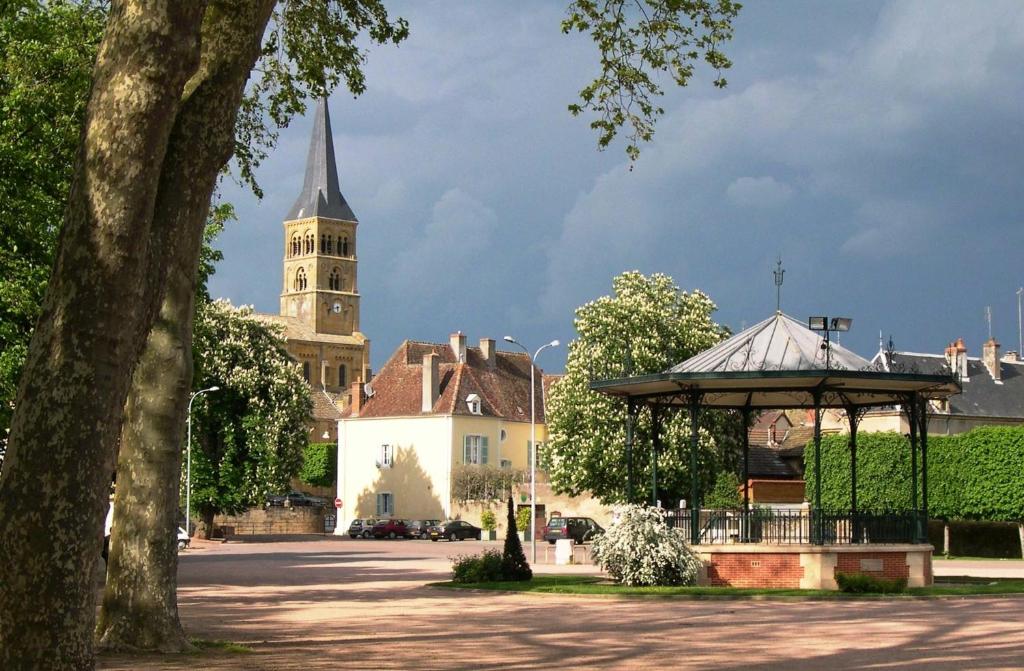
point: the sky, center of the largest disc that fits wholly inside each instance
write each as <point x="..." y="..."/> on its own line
<point x="878" y="148"/>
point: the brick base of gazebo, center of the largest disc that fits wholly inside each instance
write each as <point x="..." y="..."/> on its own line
<point x="811" y="566"/>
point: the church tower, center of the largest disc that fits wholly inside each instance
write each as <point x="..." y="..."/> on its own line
<point x="320" y="297"/>
<point x="320" y="288"/>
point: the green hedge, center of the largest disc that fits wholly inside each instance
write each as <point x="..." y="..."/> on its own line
<point x="977" y="475"/>
<point x="319" y="463"/>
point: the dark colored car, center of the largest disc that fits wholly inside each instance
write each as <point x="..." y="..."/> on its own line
<point x="361" y="528"/>
<point x="294" y="498"/>
<point x="421" y="528"/>
<point x="580" y="529"/>
<point x="454" y="530"/>
<point x="391" y="529"/>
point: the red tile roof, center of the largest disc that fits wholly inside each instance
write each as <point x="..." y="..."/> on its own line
<point x="503" y="388"/>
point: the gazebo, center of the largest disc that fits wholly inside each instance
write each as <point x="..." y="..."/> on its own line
<point x="780" y="363"/>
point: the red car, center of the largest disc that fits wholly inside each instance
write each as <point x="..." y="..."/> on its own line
<point x="391" y="529"/>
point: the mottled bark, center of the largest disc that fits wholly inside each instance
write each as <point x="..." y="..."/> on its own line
<point x="139" y="609"/>
<point x="98" y="309"/>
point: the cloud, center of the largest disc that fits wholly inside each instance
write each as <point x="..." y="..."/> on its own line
<point x="758" y="192"/>
<point x="450" y="251"/>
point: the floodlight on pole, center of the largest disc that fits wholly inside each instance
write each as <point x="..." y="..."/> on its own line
<point x="827" y="326"/>
<point x="188" y="465"/>
<point x="533" y="440"/>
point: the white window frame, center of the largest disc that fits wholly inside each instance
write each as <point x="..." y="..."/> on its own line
<point x="474" y="404"/>
<point x="386" y="456"/>
<point x="475" y="449"/>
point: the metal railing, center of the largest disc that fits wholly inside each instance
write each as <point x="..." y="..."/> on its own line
<point x="801" y="526"/>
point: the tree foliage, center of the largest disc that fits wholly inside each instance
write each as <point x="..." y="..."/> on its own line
<point x="46" y="58"/>
<point x="646" y="326"/>
<point x="725" y="495"/>
<point x="319" y="464"/>
<point x="639" y="40"/>
<point x="471" y="482"/>
<point x="247" y="438"/>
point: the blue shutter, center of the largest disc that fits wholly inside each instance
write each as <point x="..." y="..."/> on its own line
<point x="483" y="449"/>
<point x="379" y="513"/>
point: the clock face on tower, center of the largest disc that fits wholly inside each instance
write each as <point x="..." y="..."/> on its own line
<point x="337" y="307"/>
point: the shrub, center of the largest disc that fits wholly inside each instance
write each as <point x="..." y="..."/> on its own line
<point x="485" y="567"/>
<point x="861" y="583"/>
<point x="319" y="461"/>
<point x="523" y="519"/>
<point x="513" y="561"/>
<point x="640" y="549"/>
<point x="488" y="522"/>
<point x="725" y="495"/>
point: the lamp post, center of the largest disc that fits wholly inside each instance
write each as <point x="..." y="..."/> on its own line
<point x="533" y="441"/>
<point x="1020" y="333"/>
<point x="188" y="460"/>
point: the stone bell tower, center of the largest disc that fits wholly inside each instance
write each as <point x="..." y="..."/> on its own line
<point x="320" y="288"/>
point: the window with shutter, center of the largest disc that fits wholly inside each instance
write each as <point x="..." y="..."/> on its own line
<point x="483" y="449"/>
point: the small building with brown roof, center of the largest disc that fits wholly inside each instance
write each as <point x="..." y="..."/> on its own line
<point x="431" y="409"/>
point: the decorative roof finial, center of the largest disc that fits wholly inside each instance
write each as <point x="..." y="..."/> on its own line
<point x="778" y="273"/>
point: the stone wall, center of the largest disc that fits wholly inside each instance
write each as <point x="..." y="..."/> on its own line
<point x="274" y="520"/>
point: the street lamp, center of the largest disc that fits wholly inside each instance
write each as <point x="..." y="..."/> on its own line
<point x="829" y="325"/>
<point x="533" y="441"/>
<point x="188" y="463"/>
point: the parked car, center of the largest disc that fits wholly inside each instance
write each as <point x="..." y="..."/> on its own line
<point x="361" y="528"/>
<point x="580" y="529"/>
<point x="454" y="530"/>
<point x="295" y="498"/>
<point x="391" y="529"/>
<point x="421" y="528"/>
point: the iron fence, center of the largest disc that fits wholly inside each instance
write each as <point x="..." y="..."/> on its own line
<point x="802" y="526"/>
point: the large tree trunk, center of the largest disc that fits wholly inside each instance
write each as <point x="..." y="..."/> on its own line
<point x="101" y="302"/>
<point x="139" y="609"/>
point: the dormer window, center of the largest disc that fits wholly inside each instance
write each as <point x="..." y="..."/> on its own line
<point x="473" y="404"/>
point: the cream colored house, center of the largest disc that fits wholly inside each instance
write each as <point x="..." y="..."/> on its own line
<point x="430" y="409"/>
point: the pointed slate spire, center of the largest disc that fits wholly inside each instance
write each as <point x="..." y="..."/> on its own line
<point x="321" y="195"/>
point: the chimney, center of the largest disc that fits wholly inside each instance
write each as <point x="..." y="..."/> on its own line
<point x="431" y="382"/>
<point x="956" y="358"/>
<point x="458" y="343"/>
<point x="356" y="401"/>
<point x="990" y="357"/>
<point x="1012" y="356"/>
<point x="487" y="350"/>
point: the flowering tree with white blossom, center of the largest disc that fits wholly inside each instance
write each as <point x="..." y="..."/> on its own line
<point x="646" y="326"/>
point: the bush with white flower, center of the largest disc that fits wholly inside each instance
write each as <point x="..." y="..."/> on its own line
<point x="640" y="549"/>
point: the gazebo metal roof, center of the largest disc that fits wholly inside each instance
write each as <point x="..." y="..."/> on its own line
<point x="779" y="363"/>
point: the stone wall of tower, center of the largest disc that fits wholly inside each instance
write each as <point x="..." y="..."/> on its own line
<point x="320" y="275"/>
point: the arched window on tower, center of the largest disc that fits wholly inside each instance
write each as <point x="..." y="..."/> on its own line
<point x="305" y="370"/>
<point x="330" y="244"/>
<point x="334" y="281"/>
<point x="323" y="243"/>
<point x="300" y="279"/>
<point x="296" y="246"/>
<point x="344" y="246"/>
<point x="309" y="243"/>
<point x="341" y="375"/>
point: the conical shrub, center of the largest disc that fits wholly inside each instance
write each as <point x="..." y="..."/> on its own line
<point x="513" y="561"/>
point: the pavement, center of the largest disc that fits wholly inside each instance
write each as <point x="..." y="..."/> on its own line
<point x="335" y="603"/>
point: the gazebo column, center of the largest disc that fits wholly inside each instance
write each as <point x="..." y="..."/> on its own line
<point x="854" y="421"/>
<point x="923" y="418"/>
<point x="630" y="428"/>
<point x="655" y="448"/>
<point x="694" y="488"/>
<point x="912" y="416"/>
<point x="746" y="475"/>
<point x="818" y="533"/>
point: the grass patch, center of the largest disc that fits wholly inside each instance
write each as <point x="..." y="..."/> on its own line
<point x="591" y="585"/>
<point x="206" y="645"/>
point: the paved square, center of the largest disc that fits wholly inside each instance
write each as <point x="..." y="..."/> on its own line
<point x="362" y="604"/>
